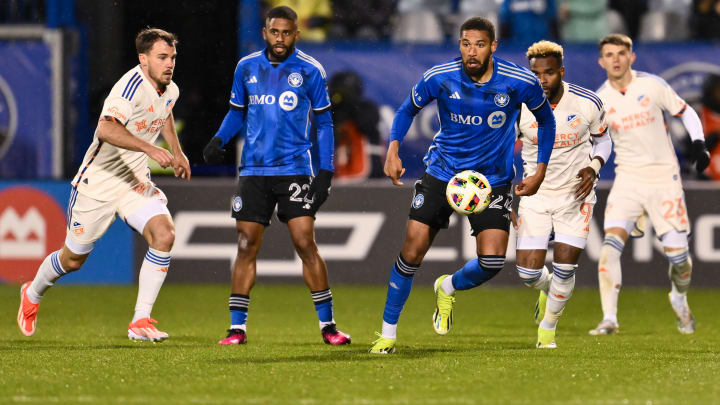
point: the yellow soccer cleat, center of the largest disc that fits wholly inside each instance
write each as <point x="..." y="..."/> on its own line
<point x="383" y="345"/>
<point x="443" y="316"/>
<point x="546" y="339"/>
<point x="540" y="307"/>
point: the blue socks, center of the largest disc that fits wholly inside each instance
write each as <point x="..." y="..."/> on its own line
<point x="239" y="304"/>
<point x="401" y="279"/>
<point x="477" y="271"/>
<point x="323" y="305"/>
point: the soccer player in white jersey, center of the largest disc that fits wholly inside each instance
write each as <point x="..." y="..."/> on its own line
<point x="564" y="203"/>
<point x="114" y="179"/>
<point x="647" y="176"/>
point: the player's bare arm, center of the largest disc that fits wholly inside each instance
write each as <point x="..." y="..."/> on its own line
<point x="116" y="134"/>
<point x="181" y="165"/>
<point x="531" y="184"/>
<point x="393" y="165"/>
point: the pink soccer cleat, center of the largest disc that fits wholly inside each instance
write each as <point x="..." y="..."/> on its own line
<point x="27" y="314"/>
<point x="143" y="329"/>
<point x="234" y="337"/>
<point x="332" y="336"/>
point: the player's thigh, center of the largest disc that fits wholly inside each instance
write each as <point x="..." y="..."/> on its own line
<point x="88" y="220"/>
<point x="429" y="205"/>
<point x="667" y="210"/>
<point x="571" y="220"/>
<point x="534" y="223"/>
<point x="497" y="214"/>
<point x="291" y="194"/>
<point x="139" y="206"/>
<point x="625" y="204"/>
<point x="253" y="200"/>
<point x="418" y="239"/>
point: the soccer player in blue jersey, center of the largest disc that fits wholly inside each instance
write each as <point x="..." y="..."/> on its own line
<point x="479" y="97"/>
<point x="272" y="94"/>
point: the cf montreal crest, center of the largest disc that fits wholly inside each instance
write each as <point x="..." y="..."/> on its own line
<point x="237" y="204"/>
<point x="502" y="99"/>
<point x="418" y="201"/>
<point x="295" y="79"/>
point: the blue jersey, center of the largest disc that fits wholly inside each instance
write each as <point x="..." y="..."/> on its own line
<point x="476" y="120"/>
<point x="278" y="99"/>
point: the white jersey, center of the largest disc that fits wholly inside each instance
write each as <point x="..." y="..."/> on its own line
<point x="578" y="115"/>
<point x="107" y="170"/>
<point x="643" y="149"/>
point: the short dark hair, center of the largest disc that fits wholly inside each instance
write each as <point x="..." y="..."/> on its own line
<point x="616" y="39"/>
<point x="480" y="24"/>
<point x="146" y="38"/>
<point x="282" y="12"/>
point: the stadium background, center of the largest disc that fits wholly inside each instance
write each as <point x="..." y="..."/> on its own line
<point x="59" y="58"/>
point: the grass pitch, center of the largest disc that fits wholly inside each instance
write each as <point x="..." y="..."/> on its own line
<point x="80" y="353"/>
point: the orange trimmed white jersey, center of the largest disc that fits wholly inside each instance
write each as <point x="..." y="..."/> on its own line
<point x="107" y="171"/>
<point x="643" y="149"/>
<point x="578" y="115"/>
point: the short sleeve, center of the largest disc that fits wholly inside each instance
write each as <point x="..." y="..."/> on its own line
<point x="237" y="95"/>
<point x="319" y="96"/>
<point x="533" y="96"/>
<point x="117" y="107"/>
<point x="424" y="92"/>
<point x="598" y="122"/>
<point x="669" y="99"/>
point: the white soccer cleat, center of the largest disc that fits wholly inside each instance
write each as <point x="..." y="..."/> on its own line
<point x="685" y="319"/>
<point x="605" y="327"/>
<point x="143" y="329"/>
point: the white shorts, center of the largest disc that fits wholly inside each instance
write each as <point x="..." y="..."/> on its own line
<point x="541" y="214"/>
<point x="665" y="207"/>
<point x="89" y="219"/>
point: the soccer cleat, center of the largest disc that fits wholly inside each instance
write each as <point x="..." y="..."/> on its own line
<point x="383" y="345"/>
<point x="442" y="318"/>
<point x="234" y="337"/>
<point x="143" y="329"/>
<point x="27" y="314"/>
<point x="639" y="227"/>
<point x="605" y="327"/>
<point x="540" y="307"/>
<point x="685" y="319"/>
<point x="546" y="339"/>
<point x="332" y="336"/>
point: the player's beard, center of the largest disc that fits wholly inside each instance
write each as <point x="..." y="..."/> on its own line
<point x="480" y="70"/>
<point x="161" y="78"/>
<point x="279" y="58"/>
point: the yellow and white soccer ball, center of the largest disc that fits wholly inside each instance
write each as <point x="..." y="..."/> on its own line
<point x="468" y="192"/>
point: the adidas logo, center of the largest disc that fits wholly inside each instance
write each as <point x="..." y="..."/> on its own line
<point x="252" y="80"/>
<point x="455" y="95"/>
<point x="150" y="109"/>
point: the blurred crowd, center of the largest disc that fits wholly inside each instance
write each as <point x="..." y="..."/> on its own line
<point x="519" y="20"/>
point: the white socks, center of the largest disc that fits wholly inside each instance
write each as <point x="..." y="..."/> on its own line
<point x="610" y="275"/>
<point x="447" y="286"/>
<point x="561" y="288"/>
<point x="680" y="271"/>
<point x="389" y="331"/>
<point x="49" y="272"/>
<point x="152" y="275"/>
<point x="538" y="279"/>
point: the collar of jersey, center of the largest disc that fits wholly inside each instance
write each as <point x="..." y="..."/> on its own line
<point x="265" y="57"/>
<point x="149" y="86"/>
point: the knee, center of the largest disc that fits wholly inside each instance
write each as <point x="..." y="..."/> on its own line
<point x="247" y="245"/>
<point x="305" y="247"/>
<point x="163" y="239"/>
<point x="72" y="262"/>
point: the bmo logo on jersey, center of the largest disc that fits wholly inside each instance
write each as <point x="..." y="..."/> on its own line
<point x="466" y="119"/>
<point x="261" y="99"/>
<point x="288" y="100"/>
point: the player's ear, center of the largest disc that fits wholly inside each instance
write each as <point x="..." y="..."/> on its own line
<point x="143" y="59"/>
<point x="493" y="46"/>
<point x="264" y="32"/>
<point x="632" y="58"/>
<point x="562" y="72"/>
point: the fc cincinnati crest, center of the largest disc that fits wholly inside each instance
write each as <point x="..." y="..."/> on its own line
<point x="295" y="79"/>
<point x="418" y="201"/>
<point x="237" y="204"/>
<point x="502" y="99"/>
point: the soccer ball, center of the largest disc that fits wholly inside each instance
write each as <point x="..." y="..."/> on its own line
<point x="468" y="192"/>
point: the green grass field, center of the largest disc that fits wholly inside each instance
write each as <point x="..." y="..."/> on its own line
<point x="80" y="353"/>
